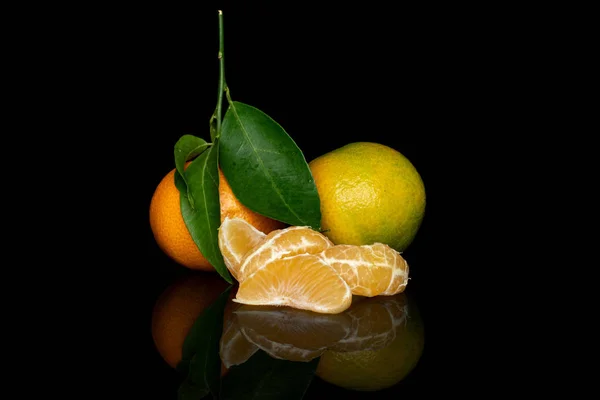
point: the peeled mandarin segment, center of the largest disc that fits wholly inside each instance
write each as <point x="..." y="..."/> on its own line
<point x="304" y="281"/>
<point x="364" y="270"/>
<point x="236" y="238"/>
<point x="281" y="243"/>
<point x="399" y="277"/>
<point x="369" y="270"/>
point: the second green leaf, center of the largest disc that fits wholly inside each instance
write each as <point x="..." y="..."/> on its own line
<point x="265" y="168"/>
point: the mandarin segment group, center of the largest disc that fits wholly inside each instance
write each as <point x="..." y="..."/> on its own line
<point x="301" y="268"/>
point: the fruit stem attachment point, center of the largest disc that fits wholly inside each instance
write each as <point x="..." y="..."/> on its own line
<point x="215" y="133"/>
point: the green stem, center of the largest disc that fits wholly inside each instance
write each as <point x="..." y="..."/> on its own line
<point x="221" y="56"/>
<point x="228" y="94"/>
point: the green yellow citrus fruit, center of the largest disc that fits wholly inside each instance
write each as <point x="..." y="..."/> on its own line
<point x="369" y="193"/>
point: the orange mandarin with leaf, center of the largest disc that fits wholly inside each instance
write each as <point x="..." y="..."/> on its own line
<point x="171" y="233"/>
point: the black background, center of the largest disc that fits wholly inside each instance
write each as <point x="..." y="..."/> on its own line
<point x="472" y="94"/>
<point x="413" y="79"/>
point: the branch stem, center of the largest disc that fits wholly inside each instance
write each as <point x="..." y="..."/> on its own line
<point x="221" y="57"/>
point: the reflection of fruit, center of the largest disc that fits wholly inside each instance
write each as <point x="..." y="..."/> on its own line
<point x="282" y="243"/>
<point x="234" y="348"/>
<point x="236" y="238"/>
<point x="303" y="281"/>
<point x="291" y="334"/>
<point x="169" y="228"/>
<point x="177" y="308"/>
<point x="369" y="193"/>
<point x="374" y="367"/>
<point x="369" y="270"/>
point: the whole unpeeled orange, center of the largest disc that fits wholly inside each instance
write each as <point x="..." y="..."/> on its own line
<point x="171" y="233"/>
<point x="369" y="193"/>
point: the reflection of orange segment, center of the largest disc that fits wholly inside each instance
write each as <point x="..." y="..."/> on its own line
<point x="292" y="334"/>
<point x="281" y="243"/>
<point x="236" y="238"/>
<point x="283" y="351"/>
<point x="304" y="281"/>
<point x="369" y="270"/>
<point x="234" y="348"/>
<point x="374" y="323"/>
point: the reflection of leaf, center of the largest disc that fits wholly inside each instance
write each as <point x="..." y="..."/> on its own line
<point x="190" y="389"/>
<point x="200" y="353"/>
<point x="263" y="377"/>
<point x="265" y="168"/>
<point x="202" y="214"/>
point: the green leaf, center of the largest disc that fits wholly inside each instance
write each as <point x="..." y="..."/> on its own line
<point x="186" y="148"/>
<point x="200" y="359"/>
<point x="265" y="168"/>
<point x="181" y="185"/>
<point x="264" y="377"/>
<point x="201" y="208"/>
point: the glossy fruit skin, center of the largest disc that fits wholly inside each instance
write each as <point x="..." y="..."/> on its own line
<point x="369" y="193"/>
<point x="170" y="231"/>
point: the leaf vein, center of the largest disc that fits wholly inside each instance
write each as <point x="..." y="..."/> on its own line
<point x="268" y="151"/>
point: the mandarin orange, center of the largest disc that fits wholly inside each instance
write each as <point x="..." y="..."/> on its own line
<point x="171" y="233"/>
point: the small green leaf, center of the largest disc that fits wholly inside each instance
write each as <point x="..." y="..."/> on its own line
<point x="264" y="377"/>
<point x="201" y="208"/>
<point x="186" y="148"/>
<point x="181" y="185"/>
<point x="265" y="168"/>
<point x="200" y="359"/>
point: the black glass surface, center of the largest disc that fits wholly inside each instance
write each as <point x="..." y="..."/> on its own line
<point x="375" y="347"/>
